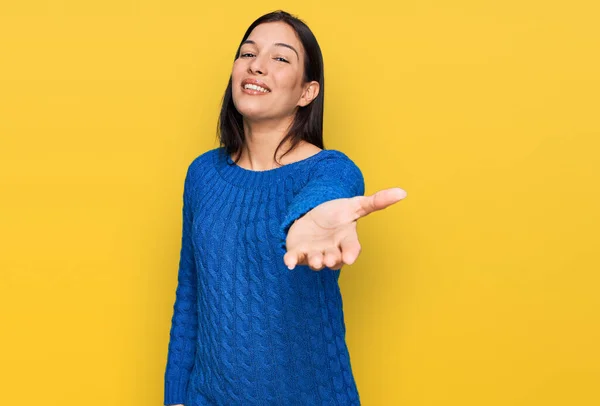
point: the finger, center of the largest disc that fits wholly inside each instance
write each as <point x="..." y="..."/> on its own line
<point x="332" y="257"/>
<point x="350" y="249"/>
<point x="379" y="200"/>
<point x="290" y="259"/>
<point x="294" y="257"/>
<point x="337" y="266"/>
<point x="315" y="260"/>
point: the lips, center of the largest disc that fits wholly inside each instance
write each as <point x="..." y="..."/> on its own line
<point x="255" y="82"/>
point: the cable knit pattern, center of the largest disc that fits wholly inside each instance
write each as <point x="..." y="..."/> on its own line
<point x="245" y="329"/>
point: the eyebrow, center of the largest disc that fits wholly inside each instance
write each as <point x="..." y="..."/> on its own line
<point x="281" y="44"/>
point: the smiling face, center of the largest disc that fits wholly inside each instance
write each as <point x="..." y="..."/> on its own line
<point x="273" y="56"/>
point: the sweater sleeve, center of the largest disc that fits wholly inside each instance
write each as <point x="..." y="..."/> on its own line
<point x="334" y="177"/>
<point x="184" y="322"/>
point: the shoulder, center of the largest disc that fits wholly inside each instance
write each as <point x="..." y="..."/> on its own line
<point x="332" y="159"/>
<point x="201" y="162"/>
<point x="338" y="167"/>
<point x="197" y="170"/>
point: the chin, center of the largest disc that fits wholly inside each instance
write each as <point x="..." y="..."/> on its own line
<point x="253" y="117"/>
<point x="251" y="111"/>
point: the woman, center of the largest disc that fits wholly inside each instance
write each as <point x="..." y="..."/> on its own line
<point x="246" y="330"/>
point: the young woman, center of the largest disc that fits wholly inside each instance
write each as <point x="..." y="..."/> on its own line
<point x="253" y="323"/>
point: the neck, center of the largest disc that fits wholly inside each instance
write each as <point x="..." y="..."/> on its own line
<point x="260" y="142"/>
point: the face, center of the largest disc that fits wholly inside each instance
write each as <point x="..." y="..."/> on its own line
<point x="273" y="56"/>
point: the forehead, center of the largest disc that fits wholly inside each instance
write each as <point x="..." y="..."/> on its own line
<point x="269" y="33"/>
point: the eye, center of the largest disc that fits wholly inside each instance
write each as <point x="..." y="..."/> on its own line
<point x="244" y="55"/>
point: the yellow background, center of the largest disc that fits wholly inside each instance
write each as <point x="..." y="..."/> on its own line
<point x="481" y="288"/>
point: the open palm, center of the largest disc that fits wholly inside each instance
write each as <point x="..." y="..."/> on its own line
<point x="326" y="236"/>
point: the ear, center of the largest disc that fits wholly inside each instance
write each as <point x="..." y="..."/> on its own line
<point x="311" y="91"/>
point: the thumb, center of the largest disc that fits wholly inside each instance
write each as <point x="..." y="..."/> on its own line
<point x="380" y="200"/>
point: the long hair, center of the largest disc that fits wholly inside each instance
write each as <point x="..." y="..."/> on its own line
<point x="307" y="124"/>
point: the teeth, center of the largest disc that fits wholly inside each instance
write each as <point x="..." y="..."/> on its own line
<point x="254" y="87"/>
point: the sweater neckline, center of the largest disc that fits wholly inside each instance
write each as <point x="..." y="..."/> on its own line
<point x="248" y="178"/>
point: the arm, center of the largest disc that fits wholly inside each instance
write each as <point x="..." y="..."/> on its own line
<point x="335" y="177"/>
<point x="319" y="229"/>
<point x="184" y="322"/>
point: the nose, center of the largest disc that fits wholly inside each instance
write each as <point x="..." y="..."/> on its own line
<point x="257" y="66"/>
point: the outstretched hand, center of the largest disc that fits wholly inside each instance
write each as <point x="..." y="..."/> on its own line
<point x="326" y="235"/>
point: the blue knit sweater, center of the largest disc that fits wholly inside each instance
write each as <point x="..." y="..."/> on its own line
<point x="245" y="329"/>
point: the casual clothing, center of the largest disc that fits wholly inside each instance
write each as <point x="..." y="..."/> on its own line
<point x="245" y="329"/>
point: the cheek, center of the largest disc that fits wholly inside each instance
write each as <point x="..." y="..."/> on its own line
<point x="237" y="71"/>
<point x="288" y="82"/>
